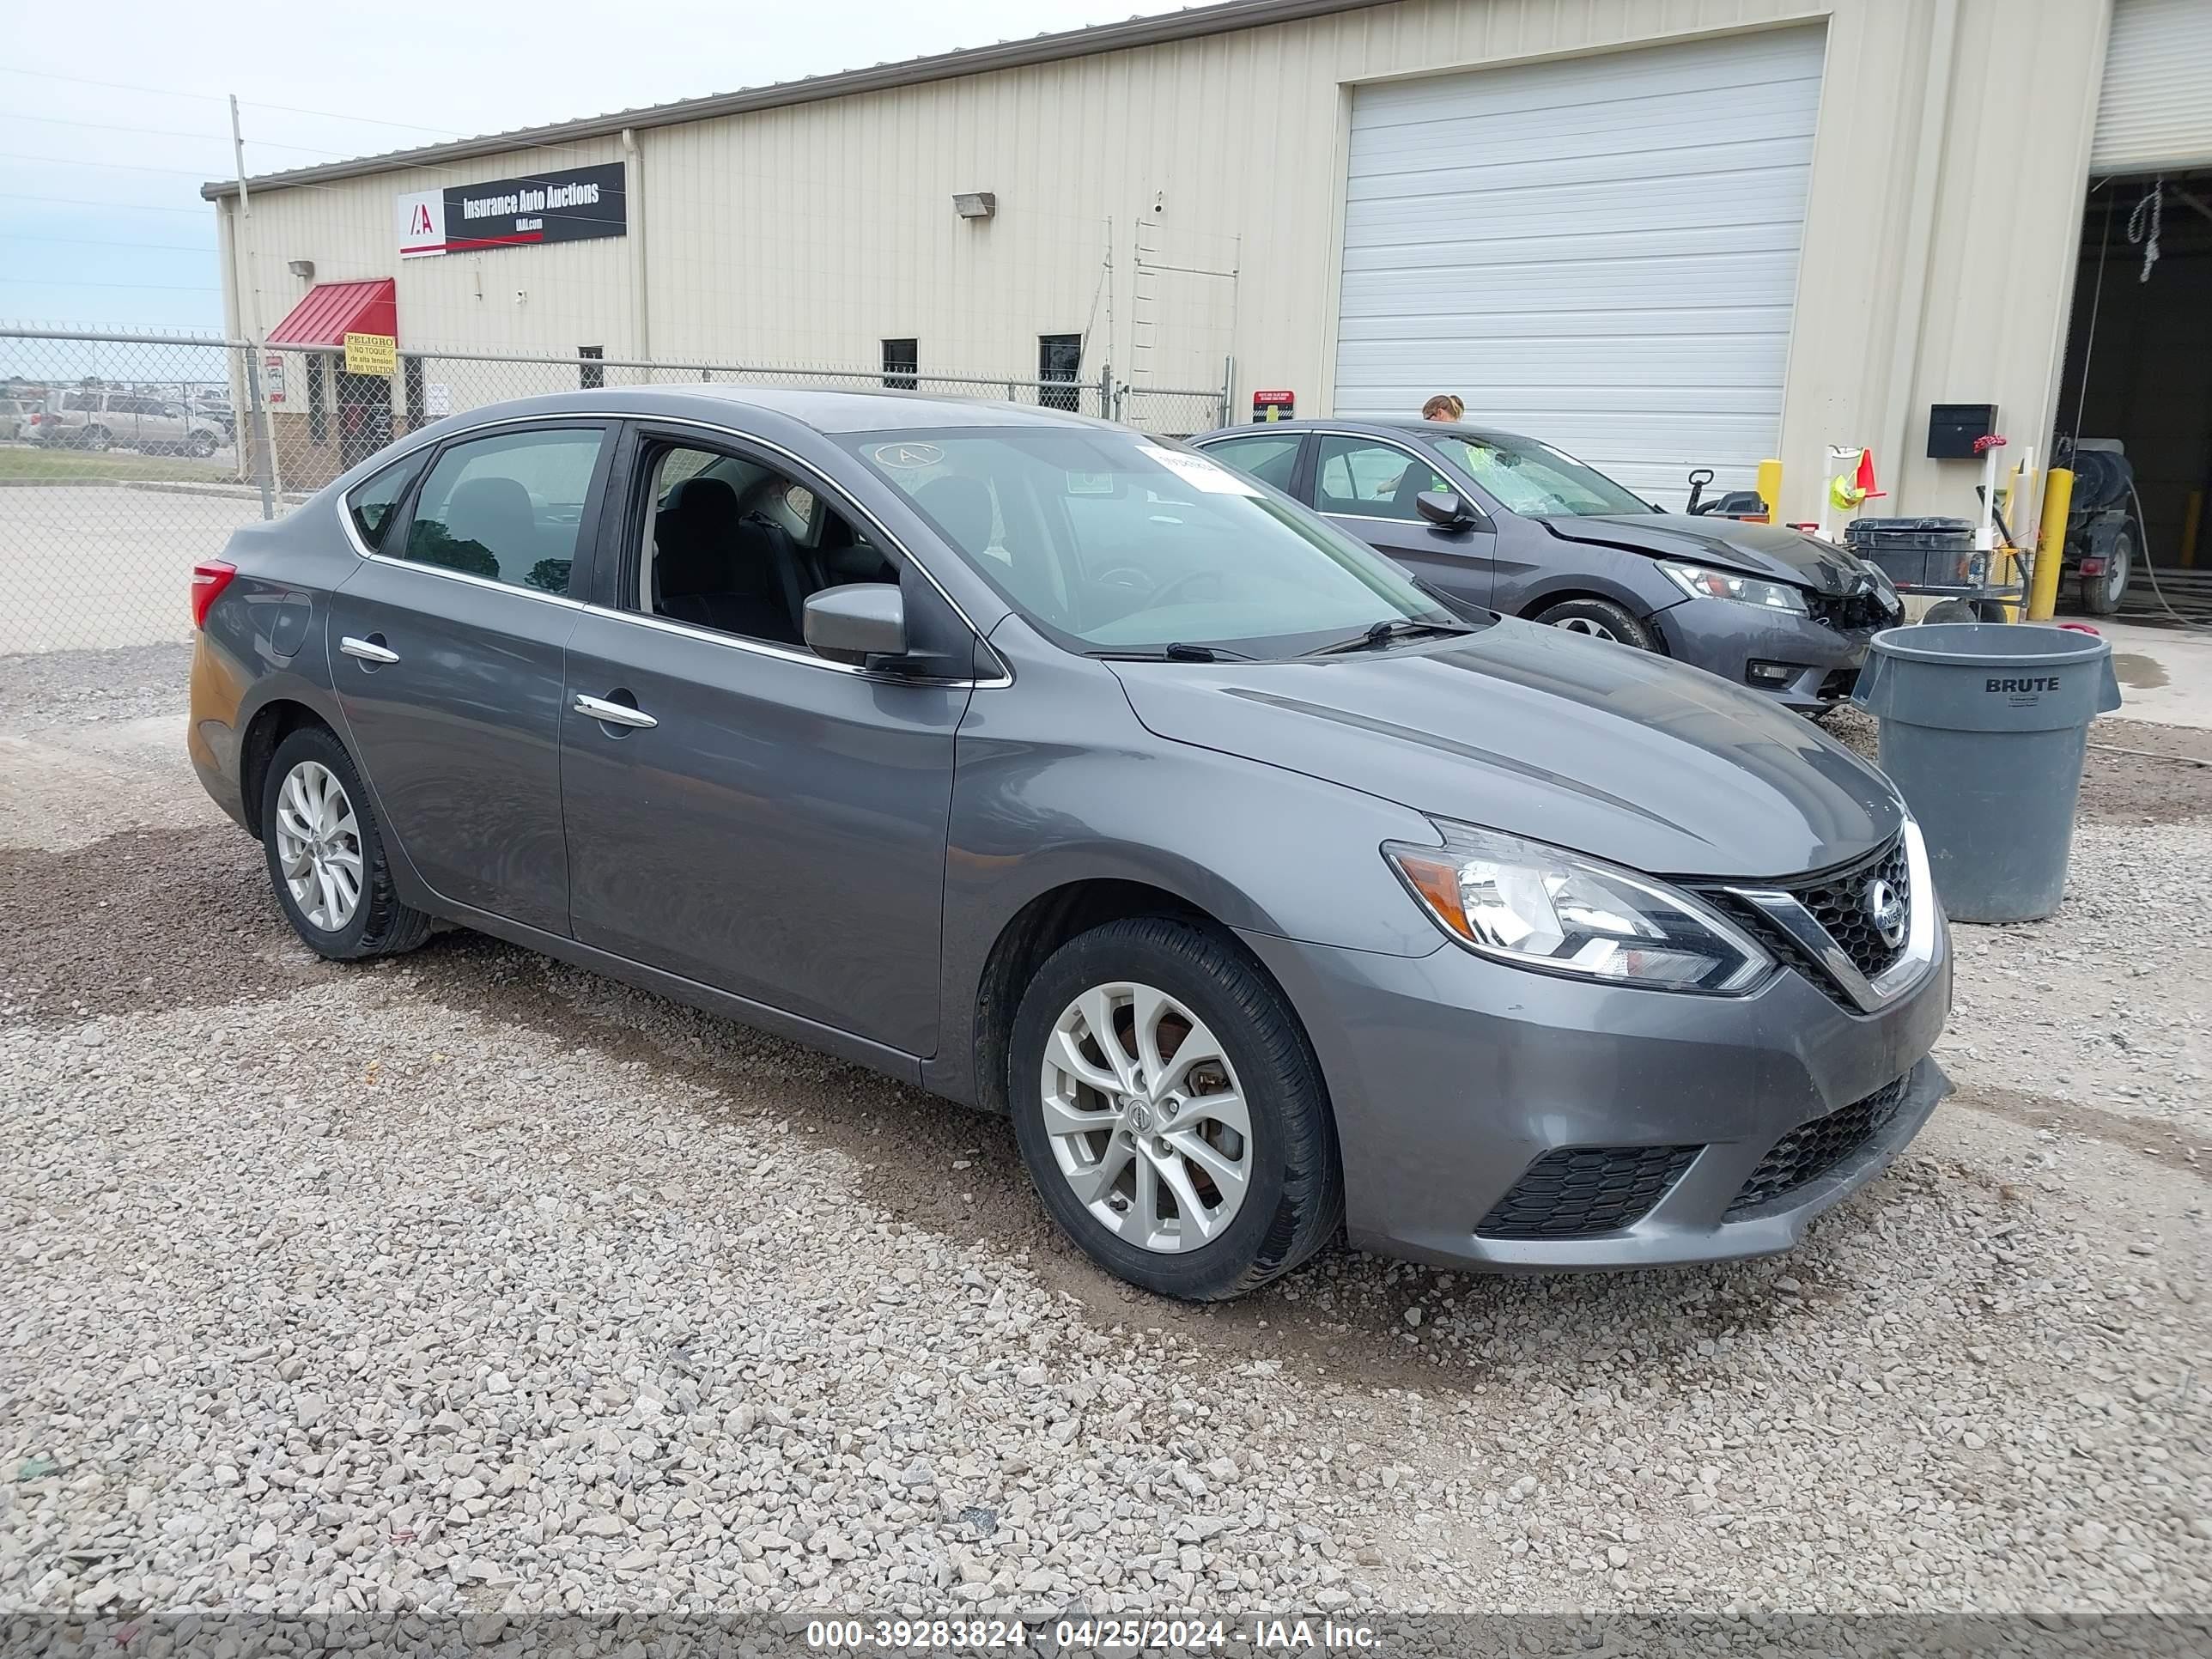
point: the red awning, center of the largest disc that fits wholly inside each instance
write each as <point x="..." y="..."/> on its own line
<point x="331" y="311"/>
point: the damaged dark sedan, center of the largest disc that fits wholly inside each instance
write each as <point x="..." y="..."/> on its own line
<point x="1513" y="524"/>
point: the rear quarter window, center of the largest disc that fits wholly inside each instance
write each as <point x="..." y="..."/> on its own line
<point x="372" y="503"/>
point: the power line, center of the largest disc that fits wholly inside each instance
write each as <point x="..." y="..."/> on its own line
<point x="88" y="201"/>
<point x="214" y="98"/>
<point x="162" y="133"/>
<point x="113" y="86"/>
<point x="147" y="247"/>
<point x="49" y="282"/>
<point x="124" y="167"/>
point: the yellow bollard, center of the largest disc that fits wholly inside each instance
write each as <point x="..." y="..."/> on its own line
<point x="2050" y="549"/>
<point x="1770" y="489"/>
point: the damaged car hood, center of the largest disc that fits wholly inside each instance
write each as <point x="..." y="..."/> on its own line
<point x="1772" y="550"/>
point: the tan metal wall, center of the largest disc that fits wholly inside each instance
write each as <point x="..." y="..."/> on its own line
<point x="1936" y="267"/>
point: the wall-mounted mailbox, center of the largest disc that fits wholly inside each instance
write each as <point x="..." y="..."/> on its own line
<point x="1954" y="429"/>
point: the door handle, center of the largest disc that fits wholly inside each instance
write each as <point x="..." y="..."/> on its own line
<point x="615" y="713"/>
<point x="369" y="650"/>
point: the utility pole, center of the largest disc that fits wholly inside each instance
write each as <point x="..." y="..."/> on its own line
<point x="265" y="469"/>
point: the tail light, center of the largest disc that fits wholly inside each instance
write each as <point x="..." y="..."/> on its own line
<point x="209" y="578"/>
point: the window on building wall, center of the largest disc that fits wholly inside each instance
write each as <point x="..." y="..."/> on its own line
<point x="901" y="359"/>
<point x="1059" y="358"/>
<point x="410" y="374"/>
<point x="319" y="402"/>
<point x="591" y="377"/>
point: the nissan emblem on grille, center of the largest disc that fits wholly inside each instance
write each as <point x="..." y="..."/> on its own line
<point x="1885" y="907"/>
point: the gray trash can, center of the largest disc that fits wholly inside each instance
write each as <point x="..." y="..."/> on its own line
<point x="1983" y="725"/>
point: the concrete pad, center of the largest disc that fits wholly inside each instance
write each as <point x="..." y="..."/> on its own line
<point x="2166" y="672"/>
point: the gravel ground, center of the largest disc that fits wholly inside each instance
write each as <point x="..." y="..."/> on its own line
<point x="469" y="1283"/>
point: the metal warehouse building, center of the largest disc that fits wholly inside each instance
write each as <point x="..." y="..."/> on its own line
<point x="1660" y="233"/>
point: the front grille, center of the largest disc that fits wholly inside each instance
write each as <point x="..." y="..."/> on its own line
<point x="1847" y="612"/>
<point x="1811" y="1150"/>
<point x="1576" y="1192"/>
<point x="1837" y="901"/>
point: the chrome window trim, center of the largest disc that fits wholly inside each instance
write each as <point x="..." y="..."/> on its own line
<point x="759" y="648"/>
<point x="1787" y="913"/>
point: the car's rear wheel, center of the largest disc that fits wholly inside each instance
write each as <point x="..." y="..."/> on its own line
<point x="200" y="445"/>
<point x="1601" y="619"/>
<point x="326" y="851"/>
<point x="95" y="437"/>
<point x="1171" y="1112"/>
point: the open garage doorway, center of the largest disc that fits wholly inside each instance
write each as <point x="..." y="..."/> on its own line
<point x="2135" y="402"/>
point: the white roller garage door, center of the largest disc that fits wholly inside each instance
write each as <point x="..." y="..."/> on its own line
<point x="2156" y="108"/>
<point x="1600" y="252"/>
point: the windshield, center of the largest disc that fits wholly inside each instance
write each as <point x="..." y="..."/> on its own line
<point x="1116" y="544"/>
<point x="1535" y="480"/>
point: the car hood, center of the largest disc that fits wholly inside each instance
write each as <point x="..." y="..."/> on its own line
<point x="1539" y="733"/>
<point x="1757" y="549"/>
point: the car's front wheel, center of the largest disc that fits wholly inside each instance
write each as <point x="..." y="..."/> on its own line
<point x="325" y="850"/>
<point x="200" y="445"/>
<point x="1171" y="1113"/>
<point x="1601" y="619"/>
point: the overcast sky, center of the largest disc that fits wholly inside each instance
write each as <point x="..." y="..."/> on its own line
<point x="100" y="219"/>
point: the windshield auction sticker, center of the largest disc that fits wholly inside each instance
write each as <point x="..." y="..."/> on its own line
<point x="1199" y="472"/>
<point x="907" y="457"/>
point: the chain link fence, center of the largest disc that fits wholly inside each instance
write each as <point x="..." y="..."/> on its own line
<point x="125" y="458"/>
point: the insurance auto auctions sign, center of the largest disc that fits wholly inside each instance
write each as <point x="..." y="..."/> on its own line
<point x="567" y="205"/>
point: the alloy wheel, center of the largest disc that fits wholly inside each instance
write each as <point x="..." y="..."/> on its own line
<point x="1595" y="630"/>
<point x="319" y="845"/>
<point x="1148" y="1123"/>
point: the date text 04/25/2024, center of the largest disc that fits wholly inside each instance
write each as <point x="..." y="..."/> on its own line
<point x="1079" y="1635"/>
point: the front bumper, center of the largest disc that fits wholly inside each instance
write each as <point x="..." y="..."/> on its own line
<point x="1726" y="638"/>
<point x="1452" y="1076"/>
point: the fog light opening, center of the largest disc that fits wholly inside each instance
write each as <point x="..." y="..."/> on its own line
<point x="1770" y="673"/>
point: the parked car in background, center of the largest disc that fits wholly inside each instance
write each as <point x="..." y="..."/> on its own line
<point x="1509" y="522"/>
<point x="217" y="410"/>
<point x="89" y="419"/>
<point x="1073" y="776"/>
<point x="14" y="420"/>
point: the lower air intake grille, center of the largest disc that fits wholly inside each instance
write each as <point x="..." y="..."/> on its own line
<point x="1811" y="1150"/>
<point x="1576" y="1192"/>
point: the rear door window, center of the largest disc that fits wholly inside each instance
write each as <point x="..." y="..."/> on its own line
<point x="508" y="508"/>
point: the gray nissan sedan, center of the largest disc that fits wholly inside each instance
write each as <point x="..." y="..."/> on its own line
<point x="1074" y="776"/>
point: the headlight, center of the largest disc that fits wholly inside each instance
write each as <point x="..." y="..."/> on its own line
<point x="1538" y="906"/>
<point x="1700" y="583"/>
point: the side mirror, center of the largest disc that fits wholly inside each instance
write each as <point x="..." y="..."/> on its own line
<point x="852" y="624"/>
<point x="1446" y="509"/>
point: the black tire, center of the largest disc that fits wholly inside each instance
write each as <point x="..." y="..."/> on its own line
<point x="2101" y="595"/>
<point x="96" y="438"/>
<point x="1601" y="619"/>
<point x="200" y="446"/>
<point x="1295" y="1203"/>
<point x="380" y="924"/>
